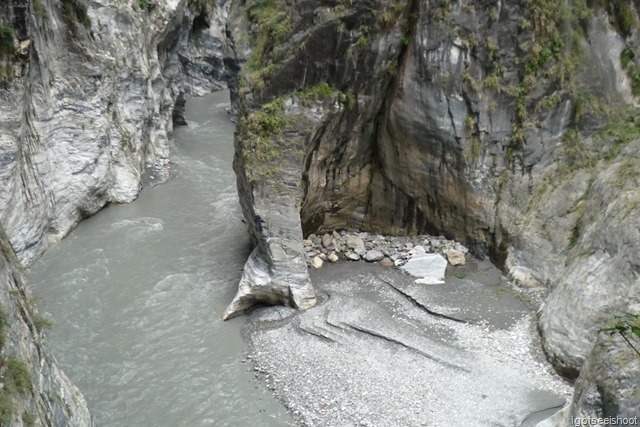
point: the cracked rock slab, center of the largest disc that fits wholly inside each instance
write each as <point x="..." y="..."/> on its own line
<point x="369" y="355"/>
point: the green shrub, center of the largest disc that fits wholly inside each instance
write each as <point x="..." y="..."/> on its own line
<point x="42" y="323"/>
<point x="16" y="378"/>
<point x="75" y="11"/>
<point x="627" y="326"/>
<point x="7" y="42"/>
<point x="39" y="9"/>
<point x="28" y="419"/>
<point x="6" y="409"/>
<point x="272" y="24"/>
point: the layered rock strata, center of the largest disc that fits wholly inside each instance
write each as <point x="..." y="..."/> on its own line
<point x="509" y="126"/>
<point x="89" y="93"/>
<point x="87" y="104"/>
<point x="33" y="390"/>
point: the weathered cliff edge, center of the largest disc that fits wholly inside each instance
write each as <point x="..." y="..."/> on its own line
<point x="34" y="392"/>
<point x="508" y="126"/>
<point x="88" y="102"/>
<point x="89" y="92"/>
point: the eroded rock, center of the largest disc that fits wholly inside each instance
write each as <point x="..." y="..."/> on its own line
<point x="455" y="257"/>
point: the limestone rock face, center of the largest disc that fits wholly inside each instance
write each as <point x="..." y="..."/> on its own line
<point x="88" y="108"/>
<point x="50" y="398"/>
<point x="456" y="120"/>
<point x="88" y="98"/>
<point x="607" y="386"/>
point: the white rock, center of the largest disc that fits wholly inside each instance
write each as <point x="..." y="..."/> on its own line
<point x="317" y="262"/>
<point x="333" y="257"/>
<point x="326" y="240"/>
<point x="430" y="268"/>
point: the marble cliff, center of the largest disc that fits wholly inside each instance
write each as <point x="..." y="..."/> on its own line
<point x="509" y="126"/>
<point x="89" y="94"/>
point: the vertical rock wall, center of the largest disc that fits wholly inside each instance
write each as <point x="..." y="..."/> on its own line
<point x="510" y="126"/>
<point x="88" y="105"/>
<point x="88" y="96"/>
<point x="34" y="390"/>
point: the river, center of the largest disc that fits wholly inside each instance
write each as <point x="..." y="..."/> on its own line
<point x="135" y="295"/>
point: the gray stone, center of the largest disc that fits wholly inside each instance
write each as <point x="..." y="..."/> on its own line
<point x="417" y="250"/>
<point x="373" y="255"/>
<point x="351" y="256"/>
<point x="354" y="242"/>
<point x="608" y="383"/>
<point x="360" y="250"/>
<point x="326" y="240"/>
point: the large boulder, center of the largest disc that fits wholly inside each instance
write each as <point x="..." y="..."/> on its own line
<point x="608" y="384"/>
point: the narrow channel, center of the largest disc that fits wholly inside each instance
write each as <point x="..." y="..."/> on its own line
<point x="135" y="295"/>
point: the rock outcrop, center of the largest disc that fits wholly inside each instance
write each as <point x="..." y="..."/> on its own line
<point x="607" y="386"/>
<point x="33" y="390"/>
<point x="509" y="126"/>
<point x="89" y="93"/>
<point x="87" y="104"/>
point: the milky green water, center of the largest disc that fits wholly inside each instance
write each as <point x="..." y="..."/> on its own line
<point x="135" y="294"/>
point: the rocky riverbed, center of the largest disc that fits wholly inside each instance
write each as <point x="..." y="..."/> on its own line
<point x="382" y="350"/>
<point x="388" y="251"/>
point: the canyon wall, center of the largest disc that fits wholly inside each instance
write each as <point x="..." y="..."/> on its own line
<point x="89" y="94"/>
<point x="510" y="126"/>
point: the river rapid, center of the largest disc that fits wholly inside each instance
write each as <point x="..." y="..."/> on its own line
<point x="136" y="292"/>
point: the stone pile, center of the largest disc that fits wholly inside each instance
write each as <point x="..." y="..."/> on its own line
<point x="388" y="251"/>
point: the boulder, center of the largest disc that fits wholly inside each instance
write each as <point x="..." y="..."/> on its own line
<point x="326" y="240"/>
<point x="360" y="250"/>
<point x="417" y="250"/>
<point x="354" y="242"/>
<point x="333" y="257"/>
<point x="317" y="262"/>
<point x="351" y="256"/>
<point x="373" y="255"/>
<point x="429" y="268"/>
<point x="456" y="257"/>
<point x="387" y="263"/>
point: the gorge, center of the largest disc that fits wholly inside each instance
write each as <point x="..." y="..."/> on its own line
<point x="510" y="127"/>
